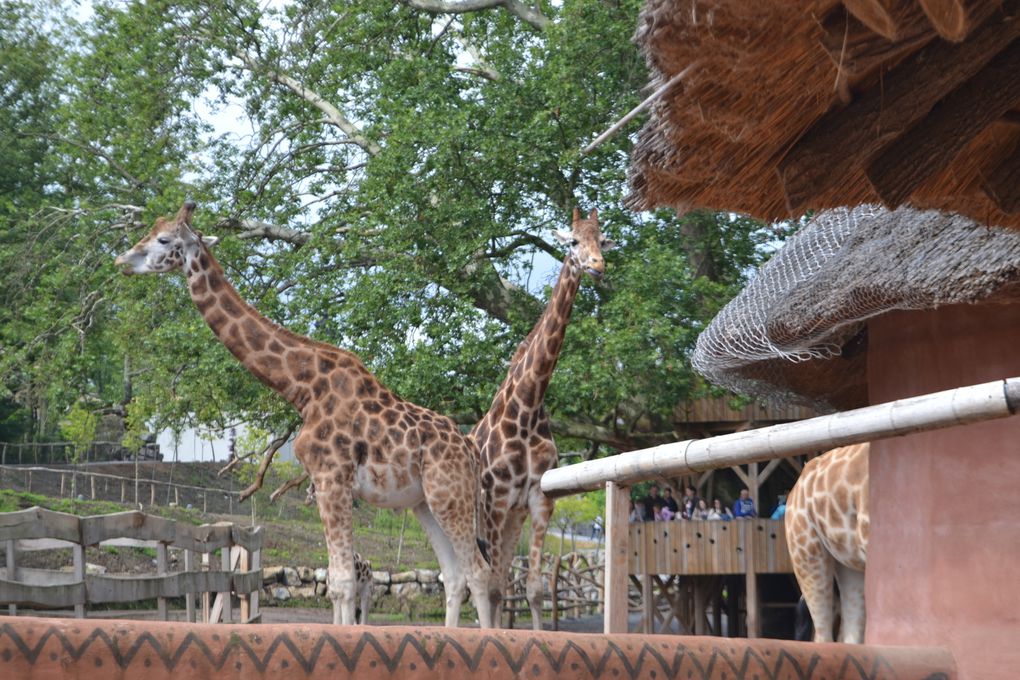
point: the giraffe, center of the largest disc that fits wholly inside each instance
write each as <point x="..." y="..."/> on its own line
<point x="514" y="438"/>
<point x="827" y="535"/>
<point x="363" y="587"/>
<point x="357" y="439"/>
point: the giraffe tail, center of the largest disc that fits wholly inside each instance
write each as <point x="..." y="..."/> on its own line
<point x="483" y="545"/>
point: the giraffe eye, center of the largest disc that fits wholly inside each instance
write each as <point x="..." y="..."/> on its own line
<point x="164" y="240"/>
<point x="574" y="241"/>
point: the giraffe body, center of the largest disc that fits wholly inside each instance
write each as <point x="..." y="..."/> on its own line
<point x="514" y="437"/>
<point x="827" y="535"/>
<point x="358" y="439"/>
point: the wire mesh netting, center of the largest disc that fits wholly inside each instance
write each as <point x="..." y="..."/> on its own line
<point x="809" y="303"/>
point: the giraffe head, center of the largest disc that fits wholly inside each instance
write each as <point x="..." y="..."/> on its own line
<point x="167" y="246"/>
<point x="586" y="243"/>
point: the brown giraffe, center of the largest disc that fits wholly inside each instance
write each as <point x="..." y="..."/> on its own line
<point x="827" y="534"/>
<point x="358" y="440"/>
<point x="363" y="587"/>
<point x="514" y="438"/>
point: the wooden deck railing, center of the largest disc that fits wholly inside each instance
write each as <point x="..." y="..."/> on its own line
<point x="240" y="569"/>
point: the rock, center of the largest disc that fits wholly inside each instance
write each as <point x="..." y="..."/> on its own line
<point x="378" y="590"/>
<point x="280" y="593"/>
<point x="406" y="589"/>
<point x="432" y="588"/>
<point x="306" y="574"/>
<point x="290" y="577"/>
<point x="381" y="577"/>
<point x="404" y="577"/>
<point x="427" y="575"/>
<point x="272" y="575"/>
<point x="307" y="592"/>
<point x="321" y="574"/>
<point x="440" y="577"/>
<point x="320" y="589"/>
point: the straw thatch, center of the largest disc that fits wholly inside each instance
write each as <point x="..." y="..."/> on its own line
<point x="797" y="332"/>
<point x="786" y="106"/>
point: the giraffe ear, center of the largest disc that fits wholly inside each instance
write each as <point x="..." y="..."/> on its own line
<point x="563" y="237"/>
<point x="594" y="214"/>
<point x="210" y="241"/>
<point x="577" y="215"/>
<point x="609" y="244"/>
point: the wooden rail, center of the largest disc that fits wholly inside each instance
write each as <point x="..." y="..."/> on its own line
<point x="709" y="548"/>
<point x="40" y="529"/>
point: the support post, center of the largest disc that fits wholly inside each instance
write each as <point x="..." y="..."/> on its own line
<point x="751" y="576"/>
<point x="228" y="609"/>
<point x="617" y="548"/>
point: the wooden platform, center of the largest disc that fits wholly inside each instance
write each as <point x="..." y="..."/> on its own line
<point x="707" y="548"/>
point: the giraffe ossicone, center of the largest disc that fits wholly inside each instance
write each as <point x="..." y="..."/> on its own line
<point x="358" y="439"/>
<point x="827" y="525"/>
<point x="514" y="437"/>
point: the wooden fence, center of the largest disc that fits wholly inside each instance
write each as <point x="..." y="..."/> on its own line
<point x="574" y="583"/>
<point x="240" y="569"/>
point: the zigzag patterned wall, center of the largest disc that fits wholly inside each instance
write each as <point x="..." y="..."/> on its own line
<point x="53" y="649"/>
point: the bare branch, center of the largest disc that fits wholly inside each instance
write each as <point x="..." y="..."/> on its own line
<point x="268" y="453"/>
<point x="528" y="15"/>
<point x="333" y="115"/>
<point x="291" y="484"/>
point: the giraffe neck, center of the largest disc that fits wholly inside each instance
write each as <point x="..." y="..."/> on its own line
<point x="281" y="359"/>
<point x="532" y="365"/>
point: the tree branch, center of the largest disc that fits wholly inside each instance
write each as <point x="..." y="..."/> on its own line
<point x="333" y="115"/>
<point x="253" y="229"/>
<point x="528" y="15"/>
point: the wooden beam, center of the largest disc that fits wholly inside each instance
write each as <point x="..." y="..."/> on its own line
<point x="840" y="142"/>
<point x="955" y="19"/>
<point x="751" y="580"/>
<point x="931" y="145"/>
<point x="617" y="549"/>
<point x="1003" y="183"/>
<point x="891" y="19"/>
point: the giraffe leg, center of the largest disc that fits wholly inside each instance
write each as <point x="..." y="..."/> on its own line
<point x="541" y="507"/>
<point x="366" y="602"/>
<point x="815" y="574"/>
<point x="454" y="581"/>
<point x="335" y="507"/>
<point x="852" y="608"/>
<point x="503" y="557"/>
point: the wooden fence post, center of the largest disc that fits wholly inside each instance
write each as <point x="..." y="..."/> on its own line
<point x="78" y="550"/>
<point x="554" y="587"/>
<point x="617" y="554"/>
<point x="189" y="598"/>
<point x="164" y="614"/>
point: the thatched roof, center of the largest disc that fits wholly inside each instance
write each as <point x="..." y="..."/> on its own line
<point x="783" y="106"/>
<point x="798" y="330"/>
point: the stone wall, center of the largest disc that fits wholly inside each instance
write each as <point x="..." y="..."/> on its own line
<point x="284" y="583"/>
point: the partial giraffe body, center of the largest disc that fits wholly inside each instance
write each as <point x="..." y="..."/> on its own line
<point x="516" y="444"/>
<point x="363" y="587"/>
<point x="827" y="535"/>
<point x="359" y="440"/>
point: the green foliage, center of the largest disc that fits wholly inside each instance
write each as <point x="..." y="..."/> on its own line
<point x="422" y="236"/>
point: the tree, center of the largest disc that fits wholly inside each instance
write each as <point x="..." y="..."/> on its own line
<point x="388" y="186"/>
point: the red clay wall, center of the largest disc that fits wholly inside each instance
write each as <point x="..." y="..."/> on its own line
<point x="62" y="649"/>
<point x="944" y="551"/>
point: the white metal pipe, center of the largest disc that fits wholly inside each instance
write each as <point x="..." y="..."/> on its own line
<point x="959" y="406"/>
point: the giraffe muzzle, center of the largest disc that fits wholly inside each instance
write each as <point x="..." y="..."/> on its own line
<point x="594" y="273"/>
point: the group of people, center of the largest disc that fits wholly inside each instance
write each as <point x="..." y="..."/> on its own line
<point x="656" y="507"/>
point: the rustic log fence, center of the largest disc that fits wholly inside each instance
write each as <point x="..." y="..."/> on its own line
<point x="573" y="581"/>
<point x="97" y="485"/>
<point x="240" y="569"/>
